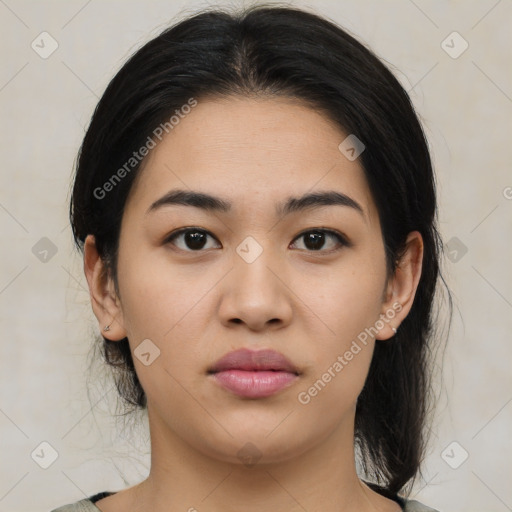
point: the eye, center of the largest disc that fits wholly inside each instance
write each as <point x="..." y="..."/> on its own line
<point x="315" y="239"/>
<point x="193" y="239"/>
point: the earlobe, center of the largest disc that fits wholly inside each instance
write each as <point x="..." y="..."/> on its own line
<point x="104" y="301"/>
<point x="402" y="286"/>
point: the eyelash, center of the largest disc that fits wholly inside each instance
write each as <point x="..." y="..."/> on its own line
<point x="343" y="242"/>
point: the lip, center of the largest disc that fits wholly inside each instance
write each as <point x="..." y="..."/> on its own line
<point x="245" y="359"/>
<point x="254" y="374"/>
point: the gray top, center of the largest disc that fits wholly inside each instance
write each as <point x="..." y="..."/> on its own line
<point x="87" y="505"/>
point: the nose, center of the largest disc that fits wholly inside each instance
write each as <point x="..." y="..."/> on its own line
<point x="256" y="294"/>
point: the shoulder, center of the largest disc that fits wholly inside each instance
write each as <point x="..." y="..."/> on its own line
<point x="416" y="506"/>
<point x="85" y="505"/>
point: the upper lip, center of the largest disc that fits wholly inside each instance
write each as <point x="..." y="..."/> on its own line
<point x="246" y="359"/>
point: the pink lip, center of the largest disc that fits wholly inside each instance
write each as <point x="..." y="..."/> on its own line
<point x="254" y="374"/>
<point x="254" y="384"/>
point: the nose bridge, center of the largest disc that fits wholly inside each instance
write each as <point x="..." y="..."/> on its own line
<point x="253" y="261"/>
<point x="255" y="294"/>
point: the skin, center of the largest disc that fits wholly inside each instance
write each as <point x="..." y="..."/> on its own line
<point x="196" y="306"/>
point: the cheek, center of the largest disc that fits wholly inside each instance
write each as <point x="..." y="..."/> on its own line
<point x="346" y="305"/>
<point x="346" y="298"/>
<point x="157" y="295"/>
<point x="169" y="306"/>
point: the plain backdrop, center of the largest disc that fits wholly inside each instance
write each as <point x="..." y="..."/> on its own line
<point x="461" y="85"/>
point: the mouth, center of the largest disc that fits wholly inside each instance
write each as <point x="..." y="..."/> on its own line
<point x="254" y="374"/>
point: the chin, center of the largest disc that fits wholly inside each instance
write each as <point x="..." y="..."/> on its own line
<point x="251" y="447"/>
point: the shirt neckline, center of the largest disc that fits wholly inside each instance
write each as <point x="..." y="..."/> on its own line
<point x="93" y="499"/>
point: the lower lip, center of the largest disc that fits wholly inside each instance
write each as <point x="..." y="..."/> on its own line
<point x="254" y="384"/>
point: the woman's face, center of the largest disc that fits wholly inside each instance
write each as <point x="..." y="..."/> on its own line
<point x="256" y="274"/>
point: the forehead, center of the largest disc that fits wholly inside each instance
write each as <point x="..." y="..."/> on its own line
<point x="256" y="151"/>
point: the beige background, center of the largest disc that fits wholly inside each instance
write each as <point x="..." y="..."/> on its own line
<point x="46" y="323"/>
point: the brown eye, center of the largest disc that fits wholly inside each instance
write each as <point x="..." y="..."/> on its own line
<point x="190" y="239"/>
<point x="315" y="240"/>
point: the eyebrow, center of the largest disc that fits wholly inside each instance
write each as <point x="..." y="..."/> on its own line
<point x="211" y="203"/>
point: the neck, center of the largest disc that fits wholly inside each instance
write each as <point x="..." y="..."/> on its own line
<point x="322" y="477"/>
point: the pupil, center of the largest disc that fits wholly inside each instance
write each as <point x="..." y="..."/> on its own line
<point x="194" y="241"/>
<point x="316" y="238"/>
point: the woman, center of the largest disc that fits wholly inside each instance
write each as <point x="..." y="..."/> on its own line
<point x="256" y="205"/>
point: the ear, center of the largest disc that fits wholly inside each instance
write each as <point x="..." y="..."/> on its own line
<point x="401" y="287"/>
<point x="105" y="303"/>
